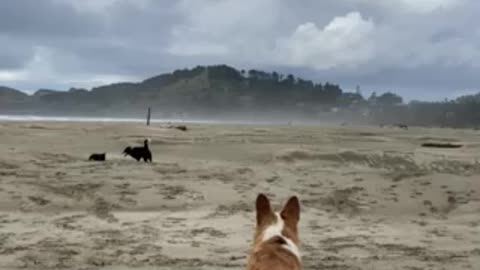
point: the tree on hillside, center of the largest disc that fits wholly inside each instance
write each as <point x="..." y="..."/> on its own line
<point x="332" y="92"/>
<point x="276" y="77"/>
<point x="389" y="99"/>
<point x="350" y="99"/>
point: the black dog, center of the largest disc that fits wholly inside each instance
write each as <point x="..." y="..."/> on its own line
<point x="98" y="157"/>
<point x="181" y="127"/>
<point x="139" y="153"/>
<point x="402" y="126"/>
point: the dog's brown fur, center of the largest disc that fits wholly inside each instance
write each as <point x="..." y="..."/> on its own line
<point x="271" y="254"/>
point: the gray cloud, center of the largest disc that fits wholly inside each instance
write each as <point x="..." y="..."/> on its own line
<point x="14" y="54"/>
<point x="45" y="19"/>
<point x="406" y="45"/>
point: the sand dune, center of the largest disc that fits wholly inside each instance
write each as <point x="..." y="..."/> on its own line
<point x="372" y="198"/>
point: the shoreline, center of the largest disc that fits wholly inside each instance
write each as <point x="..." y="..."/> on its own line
<point x="80" y="119"/>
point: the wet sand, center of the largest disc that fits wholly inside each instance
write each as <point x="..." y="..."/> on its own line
<point x="372" y="198"/>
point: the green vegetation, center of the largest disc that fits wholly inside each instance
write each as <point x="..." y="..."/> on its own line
<point x="224" y="92"/>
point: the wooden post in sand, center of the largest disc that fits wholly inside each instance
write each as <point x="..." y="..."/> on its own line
<point x="148" y="116"/>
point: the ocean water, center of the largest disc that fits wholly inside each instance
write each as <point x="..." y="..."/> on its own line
<point x="280" y="121"/>
<point x="35" y="118"/>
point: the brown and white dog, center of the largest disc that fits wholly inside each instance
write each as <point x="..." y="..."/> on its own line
<point x="276" y="243"/>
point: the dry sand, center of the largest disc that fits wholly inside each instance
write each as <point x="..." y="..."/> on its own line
<point x="372" y="198"/>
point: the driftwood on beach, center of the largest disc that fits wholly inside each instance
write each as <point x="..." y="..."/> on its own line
<point x="441" y="145"/>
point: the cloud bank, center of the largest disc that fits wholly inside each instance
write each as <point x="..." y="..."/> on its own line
<point x="427" y="49"/>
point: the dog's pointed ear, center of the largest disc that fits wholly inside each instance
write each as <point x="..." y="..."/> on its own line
<point x="264" y="209"/>
<point x="291" y="210"/>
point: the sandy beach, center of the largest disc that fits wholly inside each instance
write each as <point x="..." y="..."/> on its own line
<point x="372" y="198"/>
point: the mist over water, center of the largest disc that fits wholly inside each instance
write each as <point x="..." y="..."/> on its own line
<point x="260" y="120"/>
<point x="34" y="118"/>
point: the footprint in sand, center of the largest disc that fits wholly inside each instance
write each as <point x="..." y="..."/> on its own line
<point x="172" y="192"/>
<point x="230" y="210"/>
<point x="102" y="209"/>
<point x="68" y="223"/>
<point x="38" y="200"/>
<point x="209" y="231"/>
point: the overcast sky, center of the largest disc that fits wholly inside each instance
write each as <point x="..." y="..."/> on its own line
<point x="424" y="49"/>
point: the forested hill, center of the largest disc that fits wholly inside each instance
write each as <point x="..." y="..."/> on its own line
<point x="225" y="92"/>
<point x="198" y="90"/>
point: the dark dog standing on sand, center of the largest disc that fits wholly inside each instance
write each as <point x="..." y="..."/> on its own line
<point x="139" y="152"/>
<point x="98" y="157"/>
<point x="403" y="126"/>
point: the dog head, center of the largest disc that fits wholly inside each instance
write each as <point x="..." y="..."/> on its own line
<point x="127" y="151"/>
<point x="278" y="226"/>
<point x="146" y="142"/>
